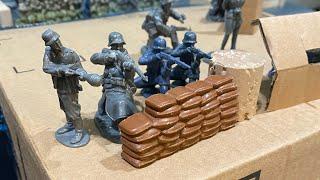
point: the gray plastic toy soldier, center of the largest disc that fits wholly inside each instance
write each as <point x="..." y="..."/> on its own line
<point x="159" y="65"/>
<point x="116" y="103"/>
<point x="233" y="21"/>
<point x="192" y="57"/>
<point x="65" y="68"/>
<point x="216" y="11"/>
<point x="155" y="23"/>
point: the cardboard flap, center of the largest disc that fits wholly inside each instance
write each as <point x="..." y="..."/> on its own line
<point x="288" y="37"/>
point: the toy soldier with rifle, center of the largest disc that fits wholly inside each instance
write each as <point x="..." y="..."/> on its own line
<point x="191" y="56"/>
<point x="233" y="21"/>
<point x="116" y="103"/>
<point x="159" y="63"/>
<point x="155" y="23"/>
<point x="66" y="70"/>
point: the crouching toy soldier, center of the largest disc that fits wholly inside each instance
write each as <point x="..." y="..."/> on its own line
<point x="65" y="68"/>
<point x="159" y="64"/>
<point x="192" y="57"/>
<point x="116" y="103"/>
<point x="155" y="23"/>
<point x="233" y="21"/>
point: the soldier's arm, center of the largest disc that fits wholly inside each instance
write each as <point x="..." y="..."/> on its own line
<point x="178" y="52"/>
<point x="177" y="16"/>
<point x="147" y="58"/>
<point x="99" y="58"/>
<point x="48" y="66"/>
<point x="164" y="29"/>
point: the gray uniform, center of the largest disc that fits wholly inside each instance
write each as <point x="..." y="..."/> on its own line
<point x="117" y="101"/>
<point x="233" y="20"/>
<point x="155" y="25"/>
<point x="67" y="86"/>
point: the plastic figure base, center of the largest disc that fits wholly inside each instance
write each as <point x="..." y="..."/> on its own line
<point x="65" y="139"/>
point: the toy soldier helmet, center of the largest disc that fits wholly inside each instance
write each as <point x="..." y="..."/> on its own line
<point x="49" y="36"/>
<point x="165" y="2"/>
<point x="190" y="37"/>
<point x="159" y="43"/>
<point x="115" y="38"/>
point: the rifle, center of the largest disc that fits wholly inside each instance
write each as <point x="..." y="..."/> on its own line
<point x="177" y="28"/>
<point x="207" y="58"/>
<point x="175" y="60"/>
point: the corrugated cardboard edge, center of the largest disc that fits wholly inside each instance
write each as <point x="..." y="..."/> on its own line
<point x="29" y="164"/>
<point x="287" y="48"/>
<point x="252" y="10"/>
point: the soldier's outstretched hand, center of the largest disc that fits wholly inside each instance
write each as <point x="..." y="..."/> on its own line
<point x="183" y="18"/>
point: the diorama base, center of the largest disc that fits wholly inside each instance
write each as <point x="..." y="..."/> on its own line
<point x="65" y="139"/>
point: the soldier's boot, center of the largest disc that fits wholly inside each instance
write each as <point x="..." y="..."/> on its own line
<point x="77" y="137"/>
<point x="225" y="40"/>
<point x="149" y="91"/>
<point x="107" y="128"/>
<point x="66" y="128"/>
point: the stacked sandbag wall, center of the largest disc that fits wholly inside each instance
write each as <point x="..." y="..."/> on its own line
<point x="179" y="119"/>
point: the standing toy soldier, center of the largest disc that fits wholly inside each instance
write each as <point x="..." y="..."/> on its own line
<point x="159" y="64"/>
<point x="233" y="21"/>
<point x="155" y="23"/>
<point x="65" y="68"/>
<point x="191" y="56"/>
<point x="116" y="103"/>
<point x="216" y="11"/>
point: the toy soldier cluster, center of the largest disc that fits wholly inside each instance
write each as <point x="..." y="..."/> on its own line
<point x="155" y="23"/>
<point x="216" y="11"/>
<point x="233" y="21"/>
<point x="180" y="65"/>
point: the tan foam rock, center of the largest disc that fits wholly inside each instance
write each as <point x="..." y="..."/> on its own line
<point x="247" y="71"/>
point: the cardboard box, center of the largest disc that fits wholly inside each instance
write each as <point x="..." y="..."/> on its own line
<point x="278" y="145"/>
<point x="5" y="16"/>
<point x="251" y="11"/>
<point x="287" y="38"/>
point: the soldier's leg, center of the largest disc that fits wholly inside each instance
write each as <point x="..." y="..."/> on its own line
<point x="63" y="100"/>
<point x="179" y="77"/>
<point x="73" y="111"/>
<point x="174" y="39"/>
<point x="164" y="88"/>
<point x="225" y="40"/>
<point x="148" y="89"/>
<point x="235" y="37"/>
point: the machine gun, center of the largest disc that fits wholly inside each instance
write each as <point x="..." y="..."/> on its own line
<point x="177" y="61"/>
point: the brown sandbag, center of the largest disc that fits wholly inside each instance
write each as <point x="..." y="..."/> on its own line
<point x="168" y="152"/>
<point x="228" y="97"/>
<point x="174" y="129"/>
<point x="199" y="87"/>
<point x="207" y="129"/>
<point x="160" y="102"/>
<point x="217" y="81"/>
<point x="181" y="94"/>
<point x="230" y="119"/>
<point x="190" y="131"/>
<point x="192" y="140"/>
<point x="210" y="107"/>
<point x="138" y="163"/>
<point x="213" y="114"/>
<point x="208" y="97"/>
<point x="163" y="139"/>
<point x="228" y="125"/>
<point x="139" y="148"/>
<point x="229" y="113"/>
<point x="135" y="124"/>
<point x="176" y="144"/>
<point x="230" y="104"/>
<point x="208" y="134"/>
<point x="226" y="88"/>
<point x="170" y="112"/>
<point x="195" y="121"/>
<point x="192" y="103"/>
<point x="148" y="135"/>
<point x="164" y="123"/>
<point x="211" y="122"/>
<point x="189" y="114"/>
<point x="148" y="155"/>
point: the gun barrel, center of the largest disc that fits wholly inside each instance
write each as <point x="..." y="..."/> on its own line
<point x="176" y="60"/>
<point x="140" y="73"/>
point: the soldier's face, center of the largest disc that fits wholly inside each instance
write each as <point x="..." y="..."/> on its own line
<point x="189" y="44"/>
<point x="57" y="45"/>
